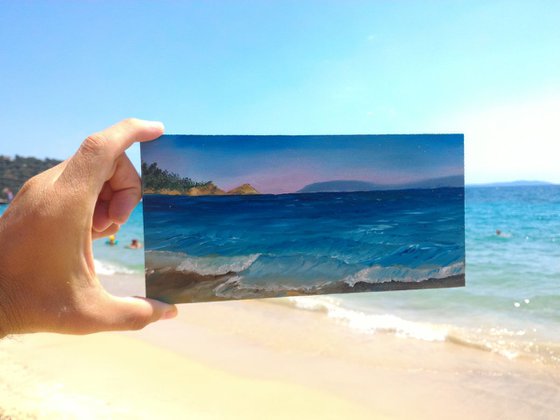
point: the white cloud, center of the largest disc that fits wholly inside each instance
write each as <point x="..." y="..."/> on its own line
<point x="511" y="141"/>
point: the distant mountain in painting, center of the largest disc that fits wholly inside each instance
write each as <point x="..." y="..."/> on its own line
<point x="354" y="186"/>
<point x="340" y="186"/>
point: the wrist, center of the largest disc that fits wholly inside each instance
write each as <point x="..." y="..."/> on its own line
<point x="5" y="323"/>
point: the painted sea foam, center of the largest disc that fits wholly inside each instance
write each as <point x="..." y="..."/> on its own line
<point x="273" y="245"/>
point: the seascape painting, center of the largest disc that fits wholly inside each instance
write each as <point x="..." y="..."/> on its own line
<point x="239" y="217"/>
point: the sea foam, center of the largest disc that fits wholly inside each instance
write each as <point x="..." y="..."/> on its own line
<point x="380" y="274"/>
<point x="217" y="265"/>
<point x="371" y="323"/>
<point x="108" y="269"/>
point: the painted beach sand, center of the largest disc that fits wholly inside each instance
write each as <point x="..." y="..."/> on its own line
<point x="239" y="217"/>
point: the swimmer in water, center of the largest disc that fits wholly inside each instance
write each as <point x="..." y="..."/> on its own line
<point x="134" y="244"/>
<point x="502" y="234"/>
<point x="9" y="194"/>
<point x="112" y="240"/>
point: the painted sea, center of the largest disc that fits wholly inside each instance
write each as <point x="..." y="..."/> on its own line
<point x="252" y="246"/>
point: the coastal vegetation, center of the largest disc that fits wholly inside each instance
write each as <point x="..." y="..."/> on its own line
<point x="161" y="181"/>
<point x="15" y="171"/>
<point x="156" y="179"/>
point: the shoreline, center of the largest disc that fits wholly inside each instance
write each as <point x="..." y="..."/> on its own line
<point x="257" y="358"/>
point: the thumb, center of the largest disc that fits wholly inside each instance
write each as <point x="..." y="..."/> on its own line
<point x="98" y="153"/>
<point x="133" y="313"/>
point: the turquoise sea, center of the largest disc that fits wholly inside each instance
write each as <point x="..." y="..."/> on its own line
<point x="511" y="304"/>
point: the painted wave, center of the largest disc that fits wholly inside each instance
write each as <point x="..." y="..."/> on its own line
<point x="212" y="265"/>
<point x="302" y="269"/>
<point x="420" y="254"/>
<point x="380" y="274"/>
<point x="217" y="265"/>
<point x="264" y="275"/>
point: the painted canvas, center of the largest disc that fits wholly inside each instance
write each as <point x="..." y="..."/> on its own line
<point x="238" y="217"/>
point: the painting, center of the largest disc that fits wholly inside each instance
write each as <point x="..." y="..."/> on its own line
<point x="243" y="217"/>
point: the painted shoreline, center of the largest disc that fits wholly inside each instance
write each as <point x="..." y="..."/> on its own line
<point x="188" y="287"/>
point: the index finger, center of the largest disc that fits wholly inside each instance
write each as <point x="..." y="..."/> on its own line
<point x="98" y="153"/>
<point x="113" y="141"/>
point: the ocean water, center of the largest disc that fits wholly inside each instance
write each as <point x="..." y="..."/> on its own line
<point x="511" y="302"/>
<point x="263" y="245"/>
<point x="119" y="259"/>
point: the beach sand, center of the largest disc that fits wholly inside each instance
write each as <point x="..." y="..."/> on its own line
<point x="262" y="359"/>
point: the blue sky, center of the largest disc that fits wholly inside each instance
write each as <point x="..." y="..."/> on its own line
<point x="285" y="164"/>
<point x="488" y="69"/>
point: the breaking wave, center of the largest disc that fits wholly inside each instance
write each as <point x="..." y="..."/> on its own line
<point x="507" y="342"/>
<point x="380" y="274"/>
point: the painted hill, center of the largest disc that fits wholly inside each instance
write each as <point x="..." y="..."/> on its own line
<point x="351" y="185"/>
<point x="245" y="189"/>
<point x="156" y="180"/>
<point x="208" y="189"/>
<point x="160" y="181"/>
<point x="455" y="181"/>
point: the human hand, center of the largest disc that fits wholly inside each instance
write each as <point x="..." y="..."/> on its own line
<point x="47" y="274"/>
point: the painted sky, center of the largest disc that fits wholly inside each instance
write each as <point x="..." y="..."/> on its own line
<point x="284" y="164"/>
<point x="488" y="69"/>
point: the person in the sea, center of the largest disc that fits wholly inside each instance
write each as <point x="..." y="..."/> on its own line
<point x="134" y="244"/>
<point x="9" y="194"/>
<point x="51" y="285"/>
<point x="502" y="234"/>
<point x="112" y="241"/>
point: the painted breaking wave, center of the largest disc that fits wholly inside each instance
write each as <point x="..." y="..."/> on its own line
<point x="380" y="274"/>
<point x="212" y="265"/>
<point x="217" y="265"/>
<point x="264" y="275"/>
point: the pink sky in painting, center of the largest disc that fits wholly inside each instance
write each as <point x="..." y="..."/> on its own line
<point x="286" y="164"/>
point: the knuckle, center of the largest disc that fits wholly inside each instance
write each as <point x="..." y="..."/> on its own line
<point x="94" y="144"/>
<point x="30" y="185"/>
